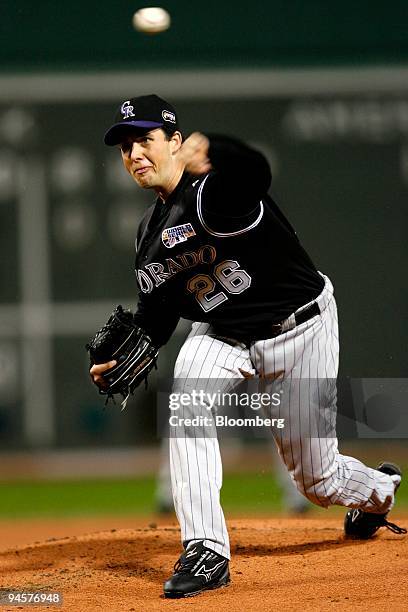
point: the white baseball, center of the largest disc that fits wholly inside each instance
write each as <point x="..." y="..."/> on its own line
<point x="151" y="20"/>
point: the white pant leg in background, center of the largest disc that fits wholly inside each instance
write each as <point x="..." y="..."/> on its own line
<point x="195" y="460"/>
<point x="306" y="360"/>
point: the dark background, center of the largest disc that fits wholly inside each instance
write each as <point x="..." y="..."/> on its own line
<point x="82" y="35"/>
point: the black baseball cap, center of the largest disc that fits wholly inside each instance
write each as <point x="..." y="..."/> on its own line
<point x="143" y="114"/>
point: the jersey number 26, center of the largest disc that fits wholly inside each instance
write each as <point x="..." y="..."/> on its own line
<point x="228" y="273"/>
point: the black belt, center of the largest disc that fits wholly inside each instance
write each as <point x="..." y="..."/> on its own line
<point x="268" y="331"/>
<point x="277" y="329"/>
<point x="308" y="313"/>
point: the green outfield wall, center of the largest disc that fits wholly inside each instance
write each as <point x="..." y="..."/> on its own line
<point x="75" y="34"/>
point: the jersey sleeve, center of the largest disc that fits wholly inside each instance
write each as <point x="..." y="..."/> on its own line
<point x="158" y="320"/>
<point x="240" y="178"/>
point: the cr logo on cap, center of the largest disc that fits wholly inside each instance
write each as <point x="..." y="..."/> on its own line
<point x="169" y="116"/>
<point x="127" y="110"/>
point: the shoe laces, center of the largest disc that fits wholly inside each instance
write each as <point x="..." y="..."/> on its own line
<point x="380" y="520"/>
<point x="394" y="528"/>
<point x="185" y="566"/>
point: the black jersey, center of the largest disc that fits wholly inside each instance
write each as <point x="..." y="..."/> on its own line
<point x="220" y="250"/>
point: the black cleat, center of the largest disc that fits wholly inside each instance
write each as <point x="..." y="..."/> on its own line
<point x="363" y="525"/>
<point x="198" y="569"/>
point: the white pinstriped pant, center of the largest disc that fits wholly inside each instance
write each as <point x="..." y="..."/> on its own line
<point x="309" y="352"/>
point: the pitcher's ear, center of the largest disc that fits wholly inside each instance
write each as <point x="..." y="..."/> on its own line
<point x="176" y="140"/>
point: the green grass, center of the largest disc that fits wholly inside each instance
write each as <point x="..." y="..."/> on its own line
<point x="77" y="497"/>
<point x="249" y="493"/>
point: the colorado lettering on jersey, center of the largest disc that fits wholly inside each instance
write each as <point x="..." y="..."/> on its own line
<point x="155" y="273"/>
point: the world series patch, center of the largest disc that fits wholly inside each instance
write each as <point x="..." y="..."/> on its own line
<point x="180" y="233"/>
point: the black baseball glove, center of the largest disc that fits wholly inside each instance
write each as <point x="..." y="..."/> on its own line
<point x="120" y="339"/>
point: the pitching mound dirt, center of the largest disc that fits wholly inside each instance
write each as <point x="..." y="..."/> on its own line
<point x="292" y="564"/>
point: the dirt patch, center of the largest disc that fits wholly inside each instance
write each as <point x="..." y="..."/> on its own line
<point x="277" y="563"/>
